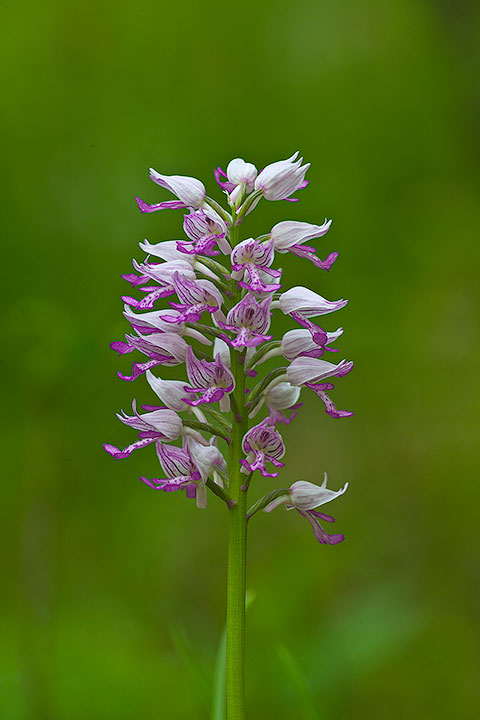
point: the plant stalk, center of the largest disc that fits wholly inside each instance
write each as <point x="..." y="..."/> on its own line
<point x="237" y="544"/>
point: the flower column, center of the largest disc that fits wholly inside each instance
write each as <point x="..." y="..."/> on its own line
<point x="237" y="532"/>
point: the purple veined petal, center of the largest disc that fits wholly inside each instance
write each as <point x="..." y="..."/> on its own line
<point x="121" y="347"/>
<point x="305" y="369"/>
<point x="306" y="303"/>
<point x="266" y="444"/>
<point x="190" y="191"/>
<point x="226" y="185"/>
<point x="189" y="313"/>
<point x="330" y="408"/>
<point x="164" y="272"/>
<point x="318" y="334"/>
<point x="323" y="537"/>
<point x="151" y="321"/>
<point x="148" y="302"/>
<point x="205" y="246"/>
<point x="211" y="379"/>
<point x="165" y="347"/>
<point x="322" y="516"/>
<point x="309" y="253"/>
<point x="154" y="484"/>
<point x="282" y="396"/>
<point x="140" y="368"/>
<point x="245" y="338"/>
<point x="202" y="223"/>
<point x="199" y="372"/>
<point x="209" y="395"/>
<point x="251" y="251"/>
<point x="135" y="279"/>
<point x="164" y="423"/>
<point x="208" y="458"/>
<point x="191" y="292"/>
<point x="168" y="205"/>
<point x="296" y="343"/>
<point x="281" y="179"/>
<point x="251" y="314"/>
<point x="277" y="417"/>
<point x="166" y="343"/>
<point x="121" y="454"/>
<point x="307" y="496"/>
<point x="289" y="233"/>
<point x="170" y="392"/>
<point x="271" y="271"/>
<point x="165" y="250"/>
<point x="174" y="461"/>
<point x="256" y="284"/>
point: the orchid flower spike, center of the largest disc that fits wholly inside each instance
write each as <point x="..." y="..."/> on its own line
<point x="202" y="305"/>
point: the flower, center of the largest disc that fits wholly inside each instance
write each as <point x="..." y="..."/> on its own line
<point x="208" y="459"/>
<point x="162" y="349"/>
<point x="181" y="471"/>
<point x="196" y="297"/>
<point x="283" y="396"/>
<point x="191" y="310"/>
<point x="306" y="303"/>
<point x="170" y="392"/>
<point x="211" y="381"/>
<point x="189" y="191"/>
<point x="160" y="424"/>
<point x="203" y="234"/>
<point x="161" y="273"/>
<point x="307" y="370"/>
<point x="238" y="172"/>
<point x="300" y="343"/>
<point x="255" y="258"/>
<point x="290" y="236"/>
<point x="261" y="443"/>
<point x="154" y="322"/>
<point x="248" y="320"/>
<point x="310" y="372"/>
<point x="304" y="497"/>
<point x="281" y="179"/>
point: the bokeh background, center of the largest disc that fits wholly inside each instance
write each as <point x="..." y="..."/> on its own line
<point x="113" y="596"/>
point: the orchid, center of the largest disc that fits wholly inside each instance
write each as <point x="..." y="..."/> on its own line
<point x="205" y="308"/>
<point x="304" y="497"/>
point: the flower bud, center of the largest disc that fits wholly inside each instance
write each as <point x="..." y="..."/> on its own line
<point x="239" y="171"/>
<point x="207" y="458"/>
<point x="281" y="179"/>
<point x="282" y="396"/>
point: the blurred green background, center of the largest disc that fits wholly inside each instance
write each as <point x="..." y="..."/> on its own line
<point x="113" y="595"/>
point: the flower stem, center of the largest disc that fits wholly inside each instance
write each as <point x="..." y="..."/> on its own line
<point x="237" y="545"/>
<point x="236" y="578"/>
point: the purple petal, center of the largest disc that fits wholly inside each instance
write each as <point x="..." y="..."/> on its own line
<point x="168" y="205"/>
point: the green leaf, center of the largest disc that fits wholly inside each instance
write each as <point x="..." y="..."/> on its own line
<point x="299" y="683"/>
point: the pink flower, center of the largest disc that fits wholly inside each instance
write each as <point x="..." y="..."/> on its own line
<point x="281" y="179"/>
<point x="189" y="191"/>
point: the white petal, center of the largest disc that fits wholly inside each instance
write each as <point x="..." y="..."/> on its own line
<point x="306" y="496"/>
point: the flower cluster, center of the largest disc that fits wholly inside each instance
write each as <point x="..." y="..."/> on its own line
<point x="207" y="304"/>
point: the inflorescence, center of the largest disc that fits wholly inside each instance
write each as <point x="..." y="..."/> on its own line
<point x="222" y="294"/>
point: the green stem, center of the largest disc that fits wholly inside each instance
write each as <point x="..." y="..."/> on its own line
<point x="237" y="544"/>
